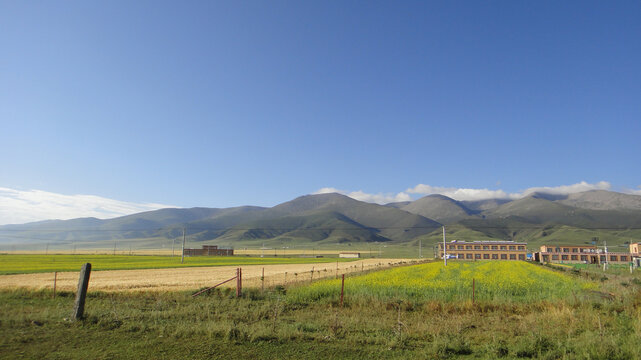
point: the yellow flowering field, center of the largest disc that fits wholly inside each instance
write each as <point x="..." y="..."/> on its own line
<point x="501" y="281"/>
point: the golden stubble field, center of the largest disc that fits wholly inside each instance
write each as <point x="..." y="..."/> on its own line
<point x="192" y="278"/>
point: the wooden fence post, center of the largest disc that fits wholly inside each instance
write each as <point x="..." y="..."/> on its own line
<point x="239" y="282"/>
<point x="312" y="277"/>
<point x="262" y="281"/>
<point x="55" y="277"/>
<point x="342" y="288"/>
<point x="83" y="284"/>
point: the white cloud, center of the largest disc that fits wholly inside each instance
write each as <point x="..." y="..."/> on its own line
<point x="482" y="194"/>
<point x="633" y="192"/>
<point x="468" y="194"/>
<point x="18" y="206"/>
<point x="379" y="198"/>
<point x="570" y="189"/>
<point x="461" y="193"/>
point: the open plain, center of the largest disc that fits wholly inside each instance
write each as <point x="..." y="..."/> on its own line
<point x="192" y="277"/>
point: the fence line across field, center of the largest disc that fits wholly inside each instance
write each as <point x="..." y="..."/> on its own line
<point x="169" y="279"/>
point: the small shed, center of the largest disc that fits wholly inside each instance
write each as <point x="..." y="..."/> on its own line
<point x="350" y="255"/>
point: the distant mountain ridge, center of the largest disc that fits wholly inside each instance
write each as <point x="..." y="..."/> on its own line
<point x="335" y="218"/>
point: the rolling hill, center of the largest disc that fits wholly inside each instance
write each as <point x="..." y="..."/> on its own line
<point x="337" y="219"/>
<point x="439" y="208"/>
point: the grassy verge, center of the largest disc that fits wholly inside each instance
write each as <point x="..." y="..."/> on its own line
<point x="26" y="264"/>
<point x="587" y="325"/>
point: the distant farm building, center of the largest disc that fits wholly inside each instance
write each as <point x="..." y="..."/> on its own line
<point x="350" y="255"/>
<point x="209" y="250"/>
<point x="483" y="250"/>
<point x="580" y="254"/>
<point x="635" y="249"/>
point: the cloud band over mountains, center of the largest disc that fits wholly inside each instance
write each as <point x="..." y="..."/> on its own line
<point x="22" y="206"/>
<point x="469" y="194"/>
<point x="18" y="206"/>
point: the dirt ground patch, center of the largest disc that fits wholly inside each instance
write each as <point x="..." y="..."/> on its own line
<point x="192" y="278"/>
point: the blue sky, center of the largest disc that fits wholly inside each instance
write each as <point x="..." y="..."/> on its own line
<point x="230" y="103"/>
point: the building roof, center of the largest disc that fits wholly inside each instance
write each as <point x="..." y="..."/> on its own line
<point x="489" y="242"/>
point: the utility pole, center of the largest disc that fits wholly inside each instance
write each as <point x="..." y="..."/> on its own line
<point x="182" y="258"/>
<point x="444" y="248"/>
<point x="605" y="246"/>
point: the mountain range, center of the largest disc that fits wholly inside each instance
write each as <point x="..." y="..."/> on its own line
<point x="326" y="219"/>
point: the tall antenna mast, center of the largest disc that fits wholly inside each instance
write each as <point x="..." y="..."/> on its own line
<point x="605" y="246"/>
<point x="182" y="257"/>
<point x="444" y="248"/>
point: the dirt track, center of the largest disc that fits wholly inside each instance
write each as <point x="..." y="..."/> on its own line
<point x="190" y="278"/>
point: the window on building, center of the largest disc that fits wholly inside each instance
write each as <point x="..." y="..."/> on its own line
<point x="495" y="256"/>
<point x="602" y="258"/>
<point x="557" y="250"/>
<point x="566" y="249"/>
<point x="521" y="247"/>
<point x="550" y="249"/>
<point x="521" y="257"/>
<point x="584" y="258"/>
<point x="503" y="256"/>
<point x="494" y="247"/>
<point x="624" y="258"/>
<point x="468" y="256"/>
<point x="452" y="247"/>
<point x="614" y="258"/>
<point x="477" y="247"/>
<point x="477" y="256"/>
<point x="575" y="250"/>
<point x="503" y="247"/>
<point x="564" y="257"/>
<point x="460" y="247"/>
<point x="485" y="247"/>
<point x="574" y="257"/>
<point x="512" y="247"/>
<point x="512" y="256"/>
<point x="555" y="257"/>
<point x="486" y="256"/>
<point x="546" y="257"/>
<point x="468" y="247"/>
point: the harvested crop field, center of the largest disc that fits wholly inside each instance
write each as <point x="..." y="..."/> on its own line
<point x="191" y="278"/>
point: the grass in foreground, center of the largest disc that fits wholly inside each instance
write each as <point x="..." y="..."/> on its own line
<point x="263" y="326"/>
<point x="498" y="281"/>
<point x="25" y="264"/>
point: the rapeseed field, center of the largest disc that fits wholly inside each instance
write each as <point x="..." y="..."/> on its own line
<point x="496" y="281"/>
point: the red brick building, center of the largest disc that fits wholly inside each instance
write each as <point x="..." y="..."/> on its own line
<point x="484" y="250"/>
<point x="209" y="250"/>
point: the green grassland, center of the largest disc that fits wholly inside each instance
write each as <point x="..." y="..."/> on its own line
<point x="24" y="264"/>
<point x="603" y="322"/>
